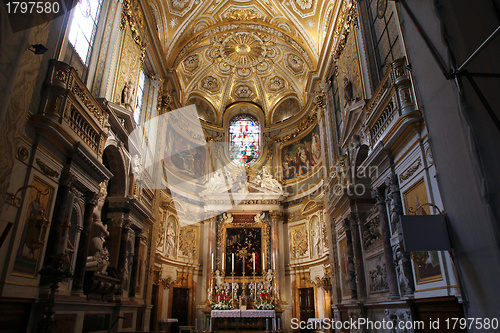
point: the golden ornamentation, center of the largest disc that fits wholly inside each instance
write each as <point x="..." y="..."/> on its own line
<point x="276" y="84"/>
<point x="311" y="119"/>
<point x="243" y="50"/>
<point x="188" y="241"/>
<point x="210" y="83"/>
<point x="350" y="69"/>
<point x="347" y="20"/>
<point x="304" y="4"/>
<point x="128" y="17"/>
<point x="298" y="240"/>
<point x="258" y="223"/>
<point x="46" y="169"/>
<point x="243" y="15"/>
<point x="411" y="170"/>
<point x="61" y="76"/>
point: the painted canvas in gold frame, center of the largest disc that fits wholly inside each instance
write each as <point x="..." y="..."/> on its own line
<point x="257" y="233"/>
<point x="426" y="263"/>
<point x="35" y="228"/>
<point x="300" y="157"/>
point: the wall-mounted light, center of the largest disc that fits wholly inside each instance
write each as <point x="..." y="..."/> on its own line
<point x="38" y="49"/>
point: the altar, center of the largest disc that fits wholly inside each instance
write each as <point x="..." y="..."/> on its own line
<point x="241" y="320"/>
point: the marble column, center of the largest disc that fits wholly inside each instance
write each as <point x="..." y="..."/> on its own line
<point x="91" y="200"/>
<point x="358" y="255"/>
<point x="123" y="260"/>
<point x="62" y="217"/>
<point x="279" y="261"/>
<point x="402" y="260"/>
<point x="350" y="259"/>
<point x="378" y="195"/>
<point x="115" y="224"/>
<point x="135" y="264"/>
<point x="210" y="228"/>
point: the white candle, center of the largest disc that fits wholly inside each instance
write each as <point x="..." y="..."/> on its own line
<point x="213" y="261"/>
<point x="274" y="262"/>
<point x="253" y="259"/>
<point x="263" y="261"/>
<point x="232" y="261"/>
<point x="223" y="263"/>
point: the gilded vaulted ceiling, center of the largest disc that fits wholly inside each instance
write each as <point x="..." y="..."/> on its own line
<point x="264" y="52"/>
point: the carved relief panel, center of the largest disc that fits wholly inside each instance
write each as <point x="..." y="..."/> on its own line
<point x="188" y="241"/>
<point x="298" y="241"/>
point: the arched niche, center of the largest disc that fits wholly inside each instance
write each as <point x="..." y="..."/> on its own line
<point x="205" y="110"/>
<point x="113" y="161"/>
<point x="286" y="109"/>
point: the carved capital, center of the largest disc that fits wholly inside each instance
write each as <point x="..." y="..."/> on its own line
<point x="91" y="198"/>
<point x="67" y="178"/>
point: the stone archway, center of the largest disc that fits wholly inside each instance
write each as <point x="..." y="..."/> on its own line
<point x="113" y="160"/>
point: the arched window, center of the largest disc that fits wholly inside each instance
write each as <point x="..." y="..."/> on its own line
<point x="83" y="27"/>
<point x="244" y="139"/>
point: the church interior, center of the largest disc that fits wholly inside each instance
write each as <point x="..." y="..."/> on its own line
<point x="249" y="166"/>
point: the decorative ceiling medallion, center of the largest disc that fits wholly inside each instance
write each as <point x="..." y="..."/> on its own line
<point x="210" y="83"/>
<point x="191" y="62"/>
<point x="179" y="3"/>
<point x="304" y="4"/>
<point x="243" y="91"/>
<point x="243" y="50"/>
<point x="295" y="63"/>
<point x="180" y="7"/>
<point x="276" y="84"/>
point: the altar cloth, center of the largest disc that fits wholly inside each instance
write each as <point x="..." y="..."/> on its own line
<point x="242" y="313"/>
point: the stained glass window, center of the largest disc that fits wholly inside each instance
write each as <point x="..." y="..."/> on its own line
<point x="83" y="26"/>
<point x="244" y="139"/>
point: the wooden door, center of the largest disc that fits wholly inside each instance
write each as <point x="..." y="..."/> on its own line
<point x="180" y="305"/>
<point x="306" y="305"/>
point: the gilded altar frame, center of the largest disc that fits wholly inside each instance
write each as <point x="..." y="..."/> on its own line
<point x="260" y="223"/>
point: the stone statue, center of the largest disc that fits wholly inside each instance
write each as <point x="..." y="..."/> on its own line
<point x="128" y="260"/>
<point x="219" y="280"/>
<point x="99" y="260"/>
<point x="216" y="184"/>
<point x="348" y="91"/>
<point x="266" y="180"/>
<point x="268" y="279"/>
<point x="128" y="95"/>
<point x="227" y="217"/>
<point x="259" y="218"/>
<point x="136" y="167"/>
<point x="170" y="239"/>
<point x="316" y="241"/>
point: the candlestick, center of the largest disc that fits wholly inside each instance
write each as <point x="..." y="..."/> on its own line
<point x="254" y="287"/>
<point x="253" y="260"/>
<point x="232" y="261"/>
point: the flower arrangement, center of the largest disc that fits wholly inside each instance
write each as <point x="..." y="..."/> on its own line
<point x="264" y="302"/>
<point x="221" y="302"/>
